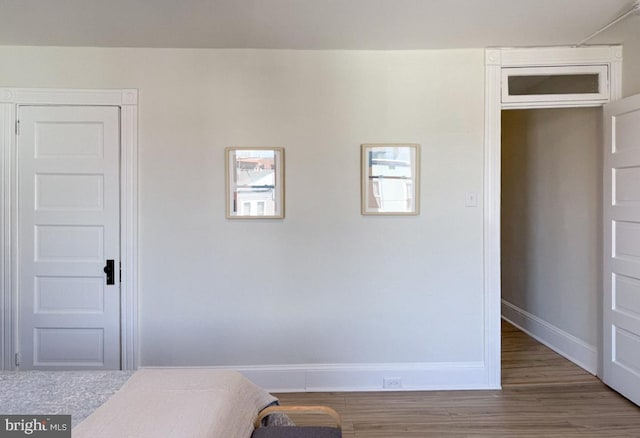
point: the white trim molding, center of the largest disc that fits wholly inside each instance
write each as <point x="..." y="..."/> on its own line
<point x="609" y="57"/>
<point x="127" y="101"/>
<point x="7" y="133"/>
<point x="549" y="56"/>
<point x="363" y="377"/>
<point x="495" y="60"/>
<point x="129" y="231"/>
<point x="492" y="163"/>
<point x="563" y="343"/>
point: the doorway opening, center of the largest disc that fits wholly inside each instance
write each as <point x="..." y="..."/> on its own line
<point x="500" y="65"/>
<point x="551" y="245"/>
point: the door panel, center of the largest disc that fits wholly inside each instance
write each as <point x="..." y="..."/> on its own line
<point x="621" y="340"/>
<point x="68" y="183"/>
<point x="69" y="192"/>
<point x="65" y="347"/>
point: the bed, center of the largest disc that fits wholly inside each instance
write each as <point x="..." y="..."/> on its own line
<point x="195" y="403"/>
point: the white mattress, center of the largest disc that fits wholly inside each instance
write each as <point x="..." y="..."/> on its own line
<point x="178" y="403"/>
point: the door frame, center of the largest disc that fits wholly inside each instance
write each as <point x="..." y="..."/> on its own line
<point x="495" y="60"/>
<point x="127" y="101"/>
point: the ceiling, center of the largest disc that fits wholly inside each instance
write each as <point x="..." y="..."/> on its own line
<point x="311" y="24"/>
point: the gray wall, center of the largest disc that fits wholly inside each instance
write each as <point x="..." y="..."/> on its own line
<point x="631" y="62"/>
<point x="325" y="285"/>
<point x="630" y="36"/>
<point x="626" y="33"/>
<point x="551" y="192"/>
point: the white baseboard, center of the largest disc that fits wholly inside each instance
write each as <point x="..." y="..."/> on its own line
<point x="365" y="377"/>
<point x="563" y="343"/>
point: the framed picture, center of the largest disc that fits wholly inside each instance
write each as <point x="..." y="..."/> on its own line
<point x="255" y="183"/>
<point x="390" y="179"/>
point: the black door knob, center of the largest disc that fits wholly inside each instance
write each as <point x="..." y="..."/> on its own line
<point x="109" y="270"/>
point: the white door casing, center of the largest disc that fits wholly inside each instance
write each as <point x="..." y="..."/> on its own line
<point x="621" y="275"/>
<point x="68" y="226"/>
<point x="495" y="60"/>
<point x="127" y="102"/>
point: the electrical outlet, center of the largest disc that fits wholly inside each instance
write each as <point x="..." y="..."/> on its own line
<point x="392" y="383"/>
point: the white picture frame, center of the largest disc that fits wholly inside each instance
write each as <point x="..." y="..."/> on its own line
<point x="390" y="179"/>
<point x="254" y="182"/>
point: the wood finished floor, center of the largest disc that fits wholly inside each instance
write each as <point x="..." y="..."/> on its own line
<point x="543" y="395"/>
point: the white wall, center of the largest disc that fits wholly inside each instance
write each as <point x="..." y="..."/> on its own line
<point x="325" y="286"/>
<point x="551" y="198"/>
<point x="631" y="62"/>
<point x="627" y="33"/>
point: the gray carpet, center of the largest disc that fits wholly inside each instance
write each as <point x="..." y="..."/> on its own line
<point x="75" y="393"/>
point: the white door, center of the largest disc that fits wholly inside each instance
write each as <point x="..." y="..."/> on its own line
<point x="68" y="227"/>
<point x="622" y="247"/>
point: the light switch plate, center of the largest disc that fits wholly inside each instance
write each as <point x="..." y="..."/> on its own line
<point x="471" y="199"/>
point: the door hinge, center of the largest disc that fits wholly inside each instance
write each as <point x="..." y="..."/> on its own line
<point x="17" y="359"/>
<point x="120" y="266"/>
<point x="17" y="127"/>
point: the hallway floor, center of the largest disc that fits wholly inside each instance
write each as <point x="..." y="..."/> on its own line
<point x="543" y="395"/>
<point x="526" y="361"/>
